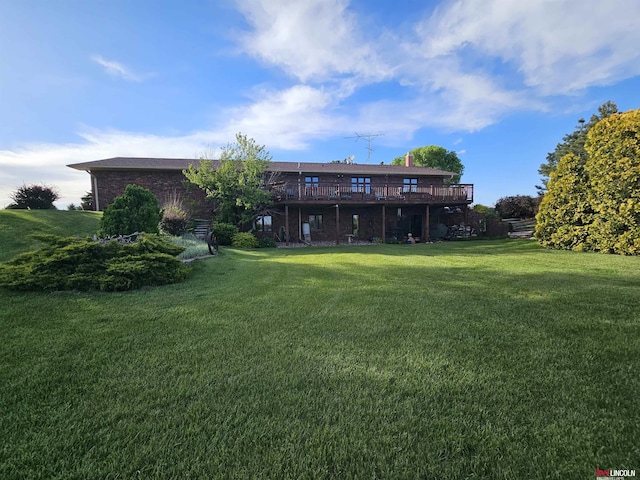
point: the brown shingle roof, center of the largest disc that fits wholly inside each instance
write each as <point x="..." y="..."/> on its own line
<point x="137" y="163"/>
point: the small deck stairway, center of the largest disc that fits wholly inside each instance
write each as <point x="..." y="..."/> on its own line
<point x="521" y="227"/>
<point x="201" y="227"/>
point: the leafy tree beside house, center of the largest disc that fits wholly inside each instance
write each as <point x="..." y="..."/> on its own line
<point x="238" y="184"/>
<point x="434" y="156"/>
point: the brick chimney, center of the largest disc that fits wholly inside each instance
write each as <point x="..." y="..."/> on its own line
<point x="408" y="160"/>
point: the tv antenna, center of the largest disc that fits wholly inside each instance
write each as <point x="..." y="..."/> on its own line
<point x="368" y="137"/>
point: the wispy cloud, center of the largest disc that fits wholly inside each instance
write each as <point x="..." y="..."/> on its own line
<point x="479" y="61"/>
<point x="313" y="41"/>
<point x="117" y="69"/>
<point x="461" y="67"/>
<point x="553" y="45"/>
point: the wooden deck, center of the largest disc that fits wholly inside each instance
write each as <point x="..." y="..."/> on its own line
<point x="388" y="194"/>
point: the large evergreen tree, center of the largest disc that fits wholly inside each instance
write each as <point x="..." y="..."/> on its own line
<point x="594" y="203"/>
<point x="613" y="165"/>
<point x="573" y="143"/>
<point x="565" y="213"/>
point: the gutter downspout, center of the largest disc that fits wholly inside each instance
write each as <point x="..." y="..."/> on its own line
<point x="95" y="191"/>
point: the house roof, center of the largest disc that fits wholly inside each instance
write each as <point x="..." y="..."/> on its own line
<point x="138" y="163"/>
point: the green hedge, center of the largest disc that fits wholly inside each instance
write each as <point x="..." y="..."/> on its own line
<point x="244" y="240"/>
<point x="224" y="232"/>
<point x="67" y="263"/>
<point x="267" y="242"/>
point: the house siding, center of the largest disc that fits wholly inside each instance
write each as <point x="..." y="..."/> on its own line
<point x="163" y="184"/>
<point x="407" y="208"/>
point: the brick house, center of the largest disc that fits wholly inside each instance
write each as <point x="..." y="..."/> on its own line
<point x="326" y="201"/>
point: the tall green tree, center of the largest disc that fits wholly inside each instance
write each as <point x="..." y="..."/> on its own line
<point x="239" y="184"/>
<point x="434" y="156"/>
<point x="573" y="143"/>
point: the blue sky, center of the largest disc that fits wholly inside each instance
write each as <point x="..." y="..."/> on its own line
<point x="498" y="81"/>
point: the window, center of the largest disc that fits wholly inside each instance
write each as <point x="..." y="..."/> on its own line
<point x="410" y="185"/>
<point x="355" y="224"/>
<point x="311" y="181"/>
<point x="315" y="222"/>
<point x="263" y="223"/>
<point x="361" y="184"/>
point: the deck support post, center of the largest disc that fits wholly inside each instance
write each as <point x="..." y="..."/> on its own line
<point x="337" y="224"/>
<point x="286" y="223"/>
<point x="426" y="225"/>
<point x="300" y="224"/>
<point x="384" y="224"/>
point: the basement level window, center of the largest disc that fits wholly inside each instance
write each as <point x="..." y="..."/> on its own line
<point x="315" y="222"/>
<point x="263" y="223"/>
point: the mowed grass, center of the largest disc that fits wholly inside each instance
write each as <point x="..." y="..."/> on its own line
<point x="16" y="226"/>
<point x="457" y="360"/>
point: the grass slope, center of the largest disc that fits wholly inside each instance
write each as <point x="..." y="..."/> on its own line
<point x="17" y="225"/>
<point x="458" y="360"/>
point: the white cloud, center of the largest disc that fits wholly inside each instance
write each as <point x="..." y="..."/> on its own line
<point x="557" y="46"/>
<point x="46" y="163"/>
<point x="471" y="62"/>
<point x="312" y="40"/>
<point x="461" y="68"/>
<point x="117" y="69"/>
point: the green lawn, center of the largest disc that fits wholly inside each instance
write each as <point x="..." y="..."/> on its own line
<point x="17" y="225"/>
<point x="456" y="360"/>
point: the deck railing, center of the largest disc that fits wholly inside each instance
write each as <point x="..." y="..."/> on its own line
<point x="371" y="193"/>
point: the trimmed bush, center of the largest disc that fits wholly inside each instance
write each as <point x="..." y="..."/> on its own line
<point x="135" y="211"/>
<point x="67" y="263"/>
<point x="244" y="240"/>
<point x="267" y="242"/>
<point x="173" y="224"/>
<point x="224" y="232"/>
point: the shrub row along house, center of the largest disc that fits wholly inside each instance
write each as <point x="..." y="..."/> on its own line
<point x="312" y="201"/>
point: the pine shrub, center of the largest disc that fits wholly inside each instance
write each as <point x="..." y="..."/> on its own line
<point x="67" y="263"/>
<point x="135" y="211"/>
